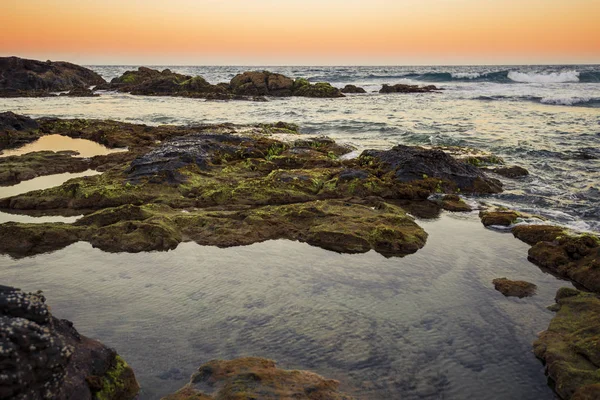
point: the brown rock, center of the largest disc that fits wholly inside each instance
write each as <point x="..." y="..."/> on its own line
<point x="514" y="288"/>
<point x="500" y="218"/>
<point x="532" y="234"/>
<point x="256" y="378"/>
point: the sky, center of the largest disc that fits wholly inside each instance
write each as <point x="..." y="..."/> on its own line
<point x="302" y="32"/>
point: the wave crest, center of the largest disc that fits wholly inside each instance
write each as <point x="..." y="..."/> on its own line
<point x="552" y="77"/>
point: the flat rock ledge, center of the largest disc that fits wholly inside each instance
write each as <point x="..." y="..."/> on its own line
<point x="43" y="357"/>
<point x="570" y="347"/>
<point x="256" y="378"/>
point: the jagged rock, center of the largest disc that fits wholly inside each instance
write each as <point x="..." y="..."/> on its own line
<point x="256" y="378"/>
<point x="402" y="88"/>
<point x="43" y="357"/>
<point x="415" y="163"/>
<point x="570" y="348"/>
<point x="353" y="89"/>
<point x="22" y="77"/>
<point x="514" y="288"/>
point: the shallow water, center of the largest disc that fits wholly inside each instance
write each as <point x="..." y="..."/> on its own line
<point x="427" y="326"/>
<point x="546" y="119"/>
<point x="85" y="148"/>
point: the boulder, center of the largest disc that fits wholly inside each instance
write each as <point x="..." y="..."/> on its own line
<point x="261" y="83"/>
<point x="353" y="89"/>
<point x="10" y="121"/>
<point x="43" y="357"/>
<point x="21" y="77"/>
<point x="256" y="378"/>
<point x="510" y="172"/>
<point x="411" y="163"/>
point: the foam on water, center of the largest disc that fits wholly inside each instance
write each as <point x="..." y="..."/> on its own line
<point x="552" y="77"/>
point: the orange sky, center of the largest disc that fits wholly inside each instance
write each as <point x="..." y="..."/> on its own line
<point x="302" y="32"/>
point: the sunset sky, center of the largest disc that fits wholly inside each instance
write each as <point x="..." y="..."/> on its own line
<point x="302" y="32"/>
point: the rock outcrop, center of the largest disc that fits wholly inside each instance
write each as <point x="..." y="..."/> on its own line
<point x="416" y="163"/>
<point x="570" y="348"/>
<point x="256" y="378"/>
<point x="353" y="89"/>
<point x="21" y="77"/>
<point x="514" y="288"/>
<point x="43" y="357"/>
<point x="14" y="169"/>
<point x="250" y="85"/>
<point x="403" y="88"/>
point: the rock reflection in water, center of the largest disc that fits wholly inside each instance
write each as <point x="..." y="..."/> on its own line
<point x="429" y="325"/>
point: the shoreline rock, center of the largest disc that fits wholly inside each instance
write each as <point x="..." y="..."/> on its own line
<point x="570" y="347"/>
<point x="21" y="77"/>
<point x="256" y="378"/>
<point x="403" y="88"/>
<point x="510" y="288"/>
<point x="353" y="89"/>
<point x="43" y="357"/>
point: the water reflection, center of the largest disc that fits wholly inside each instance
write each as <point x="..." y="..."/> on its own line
<point x="43" y="182"/>
<point x="85" y="148"/>
<point x="429" y="325"/>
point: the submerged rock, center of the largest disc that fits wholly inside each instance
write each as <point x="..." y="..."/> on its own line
<point x="416" y="163"/>
<point x="353" y="89"/>
<point x="256" y="378"/>
<point x="514" y="288"/>
<point x="23" y="78"/>
<point x="46" y="358"/>
<point x="511" y="172"/>
<point x="402" y="88"/>
<point x="570" y="348"/>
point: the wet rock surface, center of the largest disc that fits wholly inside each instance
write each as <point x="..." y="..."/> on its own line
<point x="256" y="378"/>
<point x="514" y="288"/>
<point x="14" y="169"/>
<point x="402" y="88"/>
<point x="416" y="163"/>
<point x="498" y="217"/>
<point x="452" y="202"/>
<point x="228" y="185"/>
<point x="512" y="172"/>
<point x="21" y="77"/>
<point x="570" y="347"/>
<point x="46" y="358"/>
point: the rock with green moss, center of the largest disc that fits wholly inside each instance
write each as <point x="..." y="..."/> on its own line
<point x="256" y="378"/>
<point x="573" y="256"/>
<point x="498" y="217"/>
<point x="570" y="347"/>
<point x="511" y="288"/>
<point x="43" y="357"/>
<point x="14" y="169"/>
<point x="532" y="234"/>
<point x="453" y="202"/>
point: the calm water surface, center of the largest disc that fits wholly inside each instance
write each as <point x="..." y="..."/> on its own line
<point x="427" y="326"/>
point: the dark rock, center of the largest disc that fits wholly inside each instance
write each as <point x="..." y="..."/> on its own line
<point x="261" y="83"/>
<point x="46" y="358"/>
<point x="304" y="88"/>
<point x="402" y="88"/>
<point x="10" y="121"/>
<point x="256" y="378"/>
<point x="21" y="77"/>
<point x="511" y="172"/>
<point x="570" y="348"/>
<point x="80" y="92"/>
<point x="163" y="163"/>
<point x="415" y="163"/>
<point x="350" y="174"/>
<point x="353" y="89"/>
<point x="514" y="288"/>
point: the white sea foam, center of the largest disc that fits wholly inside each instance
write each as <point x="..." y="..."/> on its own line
<point x="465" y="75"/>
<point x="565" y="101"/>
<point x="553" y="77"/>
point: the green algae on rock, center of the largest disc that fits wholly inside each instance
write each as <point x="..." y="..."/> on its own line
<point x="452" y="202"/>
<point x="498" y="217"/>
<point x="256" y="378"/>
<point x="514" y="288"/>
<point x="570" y="348"/>
<point x="14" y="169"/>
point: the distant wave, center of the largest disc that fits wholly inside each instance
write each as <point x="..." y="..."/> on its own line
<point x="504" y="76"/>
<point x="559" y="101"/>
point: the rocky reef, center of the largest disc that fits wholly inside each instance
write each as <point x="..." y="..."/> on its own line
<point x="256" y="378"/>
<point x="570" y="347"/>
<point x="21" y="77"/>
<point x="514" y="288"/>
<point x="403" y="88"/>
<point x="43" y="357"/>
<point x="250" y="85"/>
<point x="228" y="185"/>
